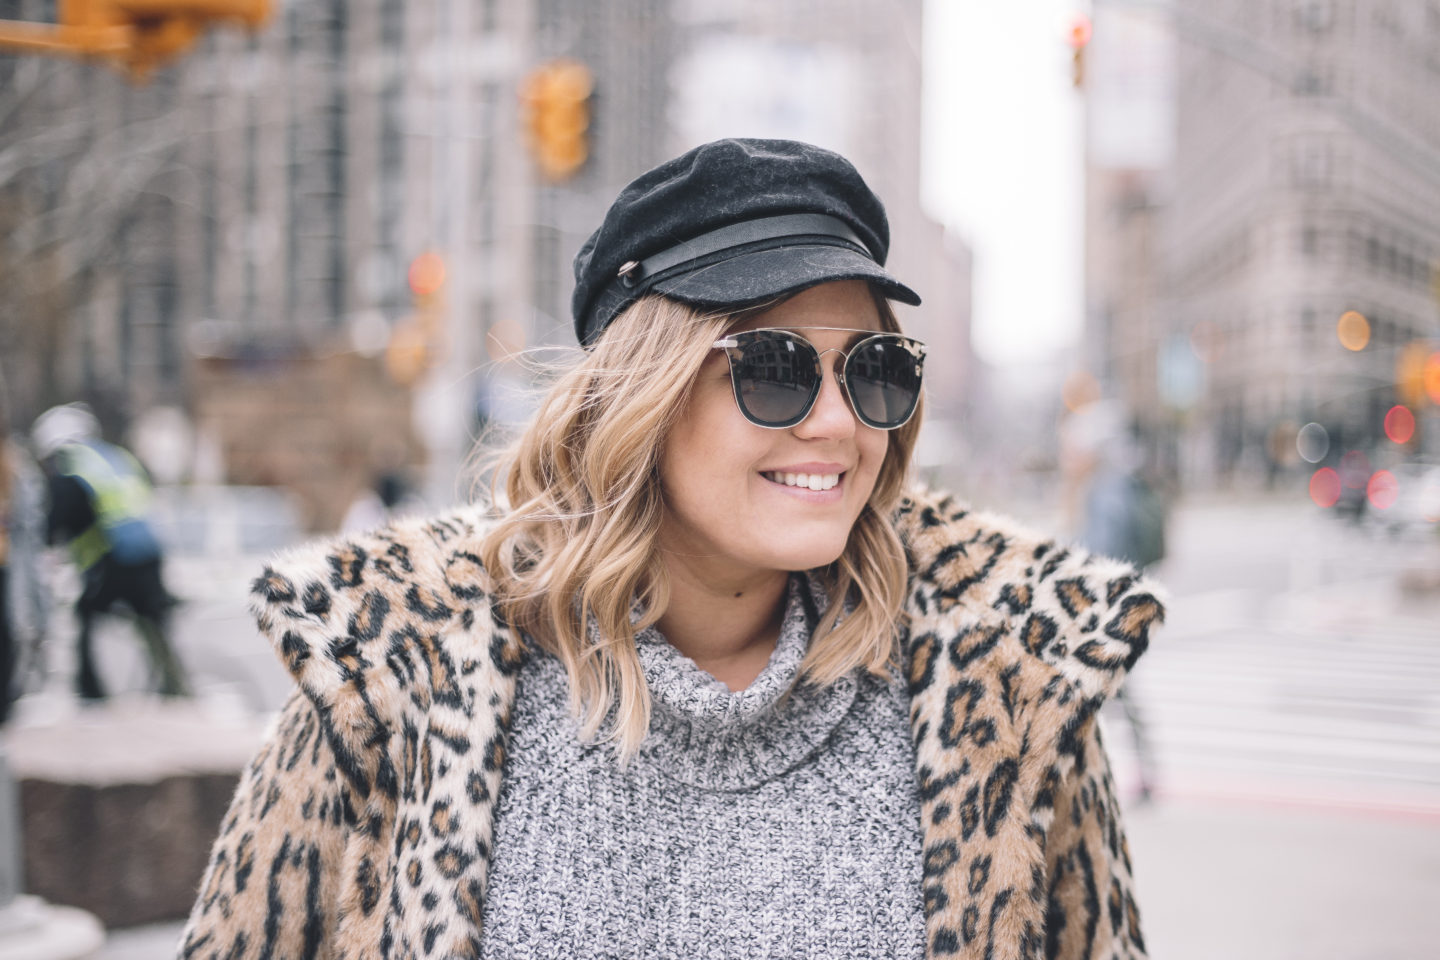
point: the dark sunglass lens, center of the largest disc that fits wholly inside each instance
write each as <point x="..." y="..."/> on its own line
<point x="777" y="378"/>
<point x="884" y="381"/>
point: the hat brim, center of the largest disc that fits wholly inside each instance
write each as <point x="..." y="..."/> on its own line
<point x="752" y="278"/>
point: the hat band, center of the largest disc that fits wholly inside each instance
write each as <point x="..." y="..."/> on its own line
<point x="739" y="235"/>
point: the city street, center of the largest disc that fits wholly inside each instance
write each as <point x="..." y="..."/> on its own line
<point x="1292" y="704"/>
<point x="1294" y="663"/>
<point x="284" y="266"/>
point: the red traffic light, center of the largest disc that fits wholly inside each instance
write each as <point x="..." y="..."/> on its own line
<point x="1079" y="33"/>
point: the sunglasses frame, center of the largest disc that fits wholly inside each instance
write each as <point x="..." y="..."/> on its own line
<point x="914" y="347"/>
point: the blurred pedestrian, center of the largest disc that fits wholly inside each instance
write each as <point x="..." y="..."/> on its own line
<point x="1121" y="512"/>
<point x="1123" y="515"/>
<point x="708" y="676"/>
<point x="7" y="509"/>
<point x="99" y="494"/>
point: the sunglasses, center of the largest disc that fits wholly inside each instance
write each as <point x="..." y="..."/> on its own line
<point x="776" y="376"/>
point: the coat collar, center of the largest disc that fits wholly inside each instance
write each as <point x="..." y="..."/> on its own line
<point x="1011" y="644"/>
<point x="330" y="595"/>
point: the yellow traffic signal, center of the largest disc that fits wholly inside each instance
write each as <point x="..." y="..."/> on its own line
<point x="556" y="104"/>
<point x="134" y="35"/>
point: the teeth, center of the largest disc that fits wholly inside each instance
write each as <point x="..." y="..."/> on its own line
<point x="811" y="481"/>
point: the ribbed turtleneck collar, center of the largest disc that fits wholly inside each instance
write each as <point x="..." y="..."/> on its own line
<point x="706" y="735"/>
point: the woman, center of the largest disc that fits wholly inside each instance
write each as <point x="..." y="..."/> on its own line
<point x="712" y="683"/>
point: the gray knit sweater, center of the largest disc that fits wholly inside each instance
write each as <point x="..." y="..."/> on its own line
<point x="752" y="824"/>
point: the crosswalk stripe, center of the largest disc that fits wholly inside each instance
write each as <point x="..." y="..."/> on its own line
<point x="1358" y="706"/>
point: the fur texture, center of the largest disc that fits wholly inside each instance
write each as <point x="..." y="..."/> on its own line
<point x="363" y="828"/>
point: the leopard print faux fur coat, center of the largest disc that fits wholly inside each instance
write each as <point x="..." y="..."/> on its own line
<point x="363" y="828"/>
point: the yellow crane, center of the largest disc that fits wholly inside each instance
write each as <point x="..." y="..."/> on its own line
<point x="134" y="36"/>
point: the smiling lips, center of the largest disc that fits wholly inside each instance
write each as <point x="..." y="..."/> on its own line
<point x="810" y="481"/>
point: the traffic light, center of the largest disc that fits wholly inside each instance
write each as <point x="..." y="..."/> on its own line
<point x="556" y="104"/>
<point x="1078" y="37"/>
<point x="134" y="35"/>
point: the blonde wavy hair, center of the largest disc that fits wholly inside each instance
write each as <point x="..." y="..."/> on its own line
<point x="582" y="505"/>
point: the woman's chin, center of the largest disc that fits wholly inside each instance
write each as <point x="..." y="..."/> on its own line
<point x="808" y="557"/>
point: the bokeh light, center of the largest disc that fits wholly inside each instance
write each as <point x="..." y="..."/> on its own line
<point x="1325" y="487"/>
<point x="1355" y="470"/>
<point x="1312" y="442"/>
<point x="1353" y="330"/>
<point x="1432" y="377"/>
<point x="1383" y="490"/>
<point x="427" y="274"/>
<point x="1399" y="424"/>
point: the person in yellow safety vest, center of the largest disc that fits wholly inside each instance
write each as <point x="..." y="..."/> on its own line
<point x="99" y="494"/>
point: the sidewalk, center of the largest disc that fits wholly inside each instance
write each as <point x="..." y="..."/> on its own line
<point x="1230" y="882"/>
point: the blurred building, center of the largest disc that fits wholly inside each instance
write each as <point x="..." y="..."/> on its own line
<point x="1304" y="185"/>
<point x="1127" y="75"/>
<point x="346" y="144"/>
<point x="89" y="175"/>
<point x="255" y="215"/>
<point x="249" y="217"/>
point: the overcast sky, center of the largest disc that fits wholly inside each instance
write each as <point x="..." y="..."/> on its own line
<point x="1002" y="166"/>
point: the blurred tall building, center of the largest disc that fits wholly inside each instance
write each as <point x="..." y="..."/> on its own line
<point x="1305" y="185"/>
<point x="89" y="174"/>
<point x="1127" y="74"/>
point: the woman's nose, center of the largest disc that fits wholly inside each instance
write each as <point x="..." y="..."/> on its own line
<point x="831" y="416"/>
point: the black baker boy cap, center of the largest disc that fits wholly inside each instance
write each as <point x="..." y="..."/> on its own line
<point x="732" y="224"/>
